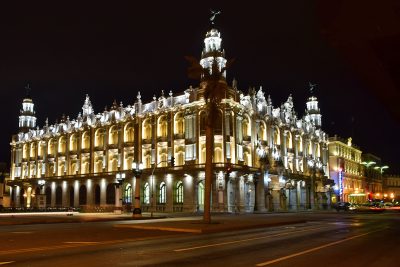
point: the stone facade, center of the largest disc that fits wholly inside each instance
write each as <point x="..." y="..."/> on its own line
<point x="265" y="157"/>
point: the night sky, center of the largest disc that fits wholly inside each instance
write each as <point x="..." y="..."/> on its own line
<point x="350" y="50"/>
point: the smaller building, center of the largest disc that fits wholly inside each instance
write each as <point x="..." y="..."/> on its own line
<point x="345" y="168"/>
<point x="391" y="188"/>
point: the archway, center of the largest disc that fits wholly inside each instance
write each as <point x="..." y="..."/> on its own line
<point x="82" y="195"/>
<point x="97" y="195"/>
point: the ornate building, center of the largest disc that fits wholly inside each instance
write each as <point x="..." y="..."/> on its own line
<point x="346" y="170"/>
<point x="265" y="157"/>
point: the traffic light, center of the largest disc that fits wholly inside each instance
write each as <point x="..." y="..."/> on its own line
<point x="172" y="161"/>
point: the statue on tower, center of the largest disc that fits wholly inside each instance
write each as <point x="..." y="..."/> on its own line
<point x="214" y="13"/>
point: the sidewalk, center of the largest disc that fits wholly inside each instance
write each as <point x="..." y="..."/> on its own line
<point x="176" y="222"/>
<point x="219" y="223"/>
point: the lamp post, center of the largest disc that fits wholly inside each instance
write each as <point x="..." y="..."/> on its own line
<point x="381" y="168"/>
<point x="368" y="174"/>
<point x="120" y="177"/>
<point x="137" y="172"/>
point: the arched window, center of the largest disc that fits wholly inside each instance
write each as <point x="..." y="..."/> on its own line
<point x="300" y="144"/>
<point x="62" y="145"/>
<point x="33" y="150"/>
<point x="110" y="194"/>
<point x="179" y="193"/>
<point x="262" y="133"/>
<point x="179" y="123"/>
<point x="203" y="121"/>
<point x="85" y="140"/>
<point x="218" y="123"/>
<point x="99" y="138"/>
<point x="128" y="194"/>
<point x="162" y="193"/>
<point x="41" y="146"/>
<point x="50" y="147"/>
<point x="162" y="130"/>
<point x="73" y="143"/>
<point x="146" y="193"/>
<point x="277" y="137"/>
<point x="113" y="136"/>
<point x="200" y="194"/>
<point x="246" y="127"/>
<point x="146" y="129"/>
<point x="129" y="132"/>
<point x="25" y="151"/>
<point x="289" y="143"/>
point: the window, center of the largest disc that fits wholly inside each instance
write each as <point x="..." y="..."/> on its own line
<point x="179" y="192"/>
<point x="162" y="193"/>
<point x="146" y="193"/>
<point x="128" y="194"/>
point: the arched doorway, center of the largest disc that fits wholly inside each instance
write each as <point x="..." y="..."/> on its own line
<point x="110" y="194"/>
<point x="200" y="196"/>
<point x="82" y="195"/>
<point x="22" y="197"/>
<point x="71" y="196"/>
<point x="58" y="197"/>
<point x="97" y="195"/>
<point x="48" y="196"/>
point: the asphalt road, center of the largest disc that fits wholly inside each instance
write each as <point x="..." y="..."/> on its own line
<point x="326" y="240"/>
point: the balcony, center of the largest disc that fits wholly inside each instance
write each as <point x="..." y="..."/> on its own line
<point x="247" y="138"/>
<point x="179" y="136"/>
<point x="162" y="139"/>
<point x="112" y="146"/>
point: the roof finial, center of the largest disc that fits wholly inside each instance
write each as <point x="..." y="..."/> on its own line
<point x="312" y="87"/>
<point x="214" y="13"/>
<point x="28" y="89"/>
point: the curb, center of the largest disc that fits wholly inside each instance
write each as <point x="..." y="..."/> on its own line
<point x="204" y="230"/>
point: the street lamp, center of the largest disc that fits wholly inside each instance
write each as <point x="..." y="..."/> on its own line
<point x="120" y="177"/>
<point x="381" y="168"/>
<point x="137" y="172"/>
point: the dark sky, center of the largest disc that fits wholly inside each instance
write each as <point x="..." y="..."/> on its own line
<point x="351" y="50"/>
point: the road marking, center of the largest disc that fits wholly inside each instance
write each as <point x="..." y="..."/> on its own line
<point x="246" y="240"/>
<point x="6" y="262"/>
<point x="171" y="229"/>
<point x="22" y="232"/>
<point x="313" y="249"/>
<point x="81" y="242"/>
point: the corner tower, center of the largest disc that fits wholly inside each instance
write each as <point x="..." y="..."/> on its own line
<point x="213" y="55"/>
<point x="27" y="118"/>
<point x="313" y="111"/>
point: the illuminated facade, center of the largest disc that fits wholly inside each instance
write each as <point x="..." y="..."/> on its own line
<point x="276" y="160"/>
<point x="347" y="171"/>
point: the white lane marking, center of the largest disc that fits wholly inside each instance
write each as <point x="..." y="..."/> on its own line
<point x="81" y="242"/>
<point x="245" y="240"/>
<point x="313" y="249"/>
<point x="6" y="262"/>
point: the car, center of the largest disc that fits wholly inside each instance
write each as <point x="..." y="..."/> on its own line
<point x="345" y="206"/>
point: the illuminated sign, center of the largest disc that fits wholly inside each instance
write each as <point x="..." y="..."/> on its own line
<point x="340" y="184"/>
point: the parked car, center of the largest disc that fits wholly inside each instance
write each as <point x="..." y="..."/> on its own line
<point x="345" y="206"/>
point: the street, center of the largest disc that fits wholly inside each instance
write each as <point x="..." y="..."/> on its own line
<point x="328" y="239"/>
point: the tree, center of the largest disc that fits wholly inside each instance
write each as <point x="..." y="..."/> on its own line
<point x="214" y="84"/>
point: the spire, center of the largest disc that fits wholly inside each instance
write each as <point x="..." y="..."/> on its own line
<point x="312" y="110"/>
<point x="27" y="118"/>
<point x="87" y="108"/>
<point x="213" y="55"/>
